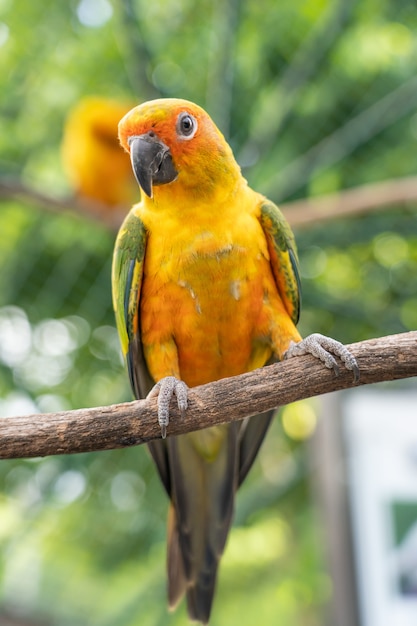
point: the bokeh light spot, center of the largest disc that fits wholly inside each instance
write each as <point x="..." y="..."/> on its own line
<point x="313" y="262"/>
<point x="94" y="13"/>
<point x="15" y="336"/>
<point x="4" y="33"/>
<point x="70" y="486"/>
<point x="390" y="249"/>
<point x="52" y="338"/>
<point x="126" y="490"/>
<point x="299" y="420"/>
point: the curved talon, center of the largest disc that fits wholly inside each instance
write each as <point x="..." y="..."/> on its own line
<point x="321" y="347"/>
<point x="165" y="389"/>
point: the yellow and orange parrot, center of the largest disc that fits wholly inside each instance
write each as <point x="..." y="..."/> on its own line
<point x="205" y="285"/>
<point x="90" y="136"/>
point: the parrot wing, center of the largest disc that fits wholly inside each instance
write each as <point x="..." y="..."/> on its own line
<point x="251" y="436"/>
<point x="284" y="264"/>
<point x="127" y="274"/>
<point x="283" y="257"/>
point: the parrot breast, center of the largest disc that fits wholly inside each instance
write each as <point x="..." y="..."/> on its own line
<point x="207" y="293"/>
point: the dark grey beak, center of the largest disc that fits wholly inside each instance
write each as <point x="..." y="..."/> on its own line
<point x="151" y="161"/>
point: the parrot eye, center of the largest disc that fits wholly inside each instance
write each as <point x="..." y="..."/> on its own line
<point x="186" y="126"/>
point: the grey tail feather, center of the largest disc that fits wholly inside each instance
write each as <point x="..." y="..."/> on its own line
<point x="252" y="435"/>
<point x="177" y="582"/>
<point x="200" y="594"/>
<point x="199" y="601"/>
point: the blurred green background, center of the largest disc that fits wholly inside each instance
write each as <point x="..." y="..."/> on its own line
<point x="315" y="97"/>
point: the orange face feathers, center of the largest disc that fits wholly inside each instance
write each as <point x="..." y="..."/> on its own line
<point x="163" y="117"/>
<point x="198" y="151"/>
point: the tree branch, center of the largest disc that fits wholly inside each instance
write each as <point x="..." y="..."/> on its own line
<point x="14" y="189"/>
<point x="352" y="202"/>
<point x="300" y="213"/>
<point x="121" y="425"/>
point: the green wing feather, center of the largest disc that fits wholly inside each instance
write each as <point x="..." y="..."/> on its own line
<point x="127" y="274"/>
<point x="283" y="255"/>
<point x="284" y="264"/>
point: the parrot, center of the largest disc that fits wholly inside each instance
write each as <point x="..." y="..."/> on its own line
<point x="90" y="136"/>
<point x="205" y="285"/>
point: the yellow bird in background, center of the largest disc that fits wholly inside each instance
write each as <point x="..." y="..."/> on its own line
<point x="96" y="167"/>
<point x="205" y="285"/>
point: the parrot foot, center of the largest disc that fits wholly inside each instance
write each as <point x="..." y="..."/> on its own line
<point x="321" y="347"/>
<point x="165" y="389"/>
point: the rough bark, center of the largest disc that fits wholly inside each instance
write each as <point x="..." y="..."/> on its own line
<point x="121" y="425"/>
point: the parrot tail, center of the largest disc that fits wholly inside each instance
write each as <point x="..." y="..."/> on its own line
<point x="177" y="582"/>
<point x="199" y="601"/>
<point x="202" y="491"/>
<point x="203" y="480"/>
<point x="199" y="593"/>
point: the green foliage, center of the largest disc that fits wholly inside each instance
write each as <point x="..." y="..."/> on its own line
<point x="315" y="96"/>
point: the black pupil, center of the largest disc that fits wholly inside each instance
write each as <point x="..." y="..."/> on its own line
<point x="187" y="124"/>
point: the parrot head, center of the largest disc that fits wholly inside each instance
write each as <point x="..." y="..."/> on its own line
<point x="174" y="143"/>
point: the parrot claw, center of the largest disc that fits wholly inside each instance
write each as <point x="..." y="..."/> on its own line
<point x="165" y="389"/>
<point x="321" y="347"/>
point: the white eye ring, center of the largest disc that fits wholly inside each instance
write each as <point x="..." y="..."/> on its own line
<point x="186" y="125"/>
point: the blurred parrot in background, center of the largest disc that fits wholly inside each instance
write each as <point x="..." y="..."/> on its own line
<point x="90" y="137"/>
<point x="205" y="286"/>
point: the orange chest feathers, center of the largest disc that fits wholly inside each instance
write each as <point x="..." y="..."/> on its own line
<point x="211" y="296"/>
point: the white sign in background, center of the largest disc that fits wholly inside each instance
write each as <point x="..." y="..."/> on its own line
<point x="381" y="445"/>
